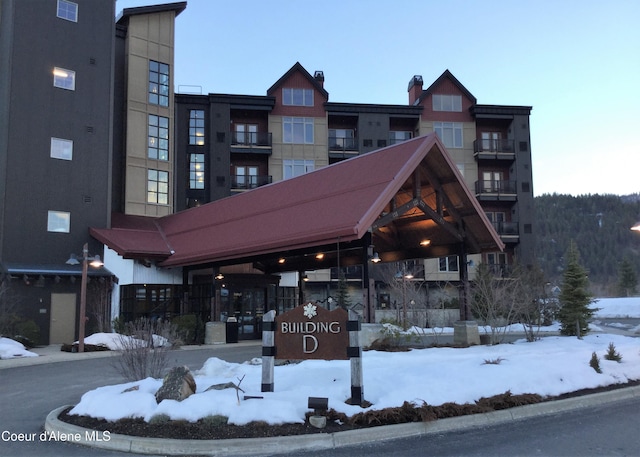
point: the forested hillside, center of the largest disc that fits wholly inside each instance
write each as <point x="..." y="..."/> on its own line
<point x="600" y="226"/>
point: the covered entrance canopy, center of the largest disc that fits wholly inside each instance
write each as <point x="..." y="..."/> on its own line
<point x="402" y="195"/>
<point x="407" y="201"/>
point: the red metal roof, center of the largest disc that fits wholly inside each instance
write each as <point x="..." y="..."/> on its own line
<point x="338" y="202"/>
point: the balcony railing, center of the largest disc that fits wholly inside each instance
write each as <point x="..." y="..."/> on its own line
<point x="245" y="182"/>
<point x="343" y="144"/>
<point x="493" y="145"/>
<point x="497" y="187"/>
<point x="249" y="139"/>
<point x="509" y="229"/>
<point x="500" y="270"/>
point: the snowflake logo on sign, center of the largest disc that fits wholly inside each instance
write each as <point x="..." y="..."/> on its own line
<point x="310" y="310"/>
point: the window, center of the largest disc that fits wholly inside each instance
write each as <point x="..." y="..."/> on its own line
<point x="246" y="177"/>
<point x="61" y="149"/>
<point x="293" y="168"/>
<point x="196" y="171"/>
<point x="158" y="187"/>
<point x="297" y="97"/>
<point x="491" y="141"/>
<point x="447" y="103"/>
<point x="158" y="147"/>
<point x="342" y="139"/>
<point x="449" y="263"/>
<point x="67" y="10"/>
<point x="196" y="127"/>
<point x="64" y="79"/>
<point x="398" y="136"/>
<point x="246" y="134"/>
<point x="450" y="133"/>
<point x="58" y="221"/>
<point x="158" y="83"/>
<point x="297" y="130"/>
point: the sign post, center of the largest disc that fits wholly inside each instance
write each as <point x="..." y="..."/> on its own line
<point x="312" y="332"/>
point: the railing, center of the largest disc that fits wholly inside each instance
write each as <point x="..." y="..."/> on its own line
<point x="500" y="270"/>
<point x="342" y="144"/>
<point x="493" y="145"/>
<point x="496" y="187"/>
<point x="251" y="139"/>
<point x="249" y="181"/>
<point x="506" y="228"/>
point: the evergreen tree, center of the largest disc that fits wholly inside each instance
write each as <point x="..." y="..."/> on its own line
<point x="627" y="279"/>
<point x="574" y="297"/>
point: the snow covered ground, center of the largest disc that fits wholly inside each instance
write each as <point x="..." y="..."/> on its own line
<point x="551" y="366"/>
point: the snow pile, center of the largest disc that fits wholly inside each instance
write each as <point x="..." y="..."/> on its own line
<point x="10" y="349"/>
<point x="549" y="367"/>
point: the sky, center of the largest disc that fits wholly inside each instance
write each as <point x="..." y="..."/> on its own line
<point x="551" y="366"/>
<point x="575" y="62"/>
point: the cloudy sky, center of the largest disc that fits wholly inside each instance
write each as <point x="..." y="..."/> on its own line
<point x="576" y="62"/>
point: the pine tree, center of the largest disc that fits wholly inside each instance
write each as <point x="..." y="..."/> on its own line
<point x="574" y="297"/>
<point x="627" y="279"/>
<point x="344" y="301"/>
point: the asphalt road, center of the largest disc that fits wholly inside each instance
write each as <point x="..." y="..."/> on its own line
<point x="29" y="393"/>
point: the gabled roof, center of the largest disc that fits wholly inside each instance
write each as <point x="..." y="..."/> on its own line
<point x="446" y="75"/>
<point x="297" y="67"/>
<point x="401" y="194"/>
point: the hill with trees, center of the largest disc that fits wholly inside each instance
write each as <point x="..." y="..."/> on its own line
<point x="600" y="227"/>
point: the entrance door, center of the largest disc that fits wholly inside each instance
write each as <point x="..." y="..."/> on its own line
<point x="248" y="307"/>
<point x="63" y="318"/>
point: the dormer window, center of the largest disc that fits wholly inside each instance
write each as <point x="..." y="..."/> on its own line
<point x="297" y="97"/>
<point x="447" y="102"/>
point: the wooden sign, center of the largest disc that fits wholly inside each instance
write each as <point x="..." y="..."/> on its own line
<point x="312" y="332"/>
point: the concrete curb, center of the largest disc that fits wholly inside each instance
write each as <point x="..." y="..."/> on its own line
<point x="320" y="441"/>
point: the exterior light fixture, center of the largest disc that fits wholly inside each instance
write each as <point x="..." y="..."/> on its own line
<point x="376" y="258"/>
<point x="95" y="262"/>
<point x="372" y="255"/>
<point x="425" y="243"/>
<point x="320" y="255"/>
<point x="219" y="276"/>
<point x="305" y="277"/>
<point x="281" y="260"/>
<point x="636" y="227"/>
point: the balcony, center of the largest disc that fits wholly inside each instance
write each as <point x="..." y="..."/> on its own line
<point x="246" y="182"/>
<point x="508" y="231"/>
<point x="342" y="148"/>
<point x="251" y="142"/>
<point x="496" y="190"/>
<point x="494" y="149"/>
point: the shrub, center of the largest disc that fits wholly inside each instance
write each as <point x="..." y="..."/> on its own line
<point x="189" y="328"/>
<point x="595" y="363"/>
<point x="215" y="420"/>
<point x="612" y="354"/>
<point x="144" y="349"/>
<point x="159" y="419"/>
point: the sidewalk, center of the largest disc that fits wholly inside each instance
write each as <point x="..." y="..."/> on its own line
<point x="52" y="354"/>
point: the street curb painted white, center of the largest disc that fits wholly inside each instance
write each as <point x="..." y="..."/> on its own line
<point x="319" y="441"/>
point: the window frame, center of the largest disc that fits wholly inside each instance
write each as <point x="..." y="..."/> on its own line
<point x="297" y="96"/>
<point x="196" y="171"/>
<point x="447" y="102"/>
<point x="62" y="77"/>
<point x="448" y="264"/>
<point x="289" y="167"/>
<point x="67" y="10"/>
<point x="157" y="187"/>
<point x="155" y="134"/>
<point x="291" y="124"/>
<point x="61" y="149"/>
<point x="456" y="141"/>
<point x="196" y="127"/>
<point x="58" y="221"/>
<point x="159" y="80"/>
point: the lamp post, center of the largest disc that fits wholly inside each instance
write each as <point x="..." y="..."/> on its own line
<point x="96" y="263"/>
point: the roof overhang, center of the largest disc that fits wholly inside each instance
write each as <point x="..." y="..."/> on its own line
<point x="394" y="198"/>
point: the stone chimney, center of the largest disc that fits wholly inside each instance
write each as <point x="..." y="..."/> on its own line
<point x="415" y="88"/>
<point x="319" y="77"/>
